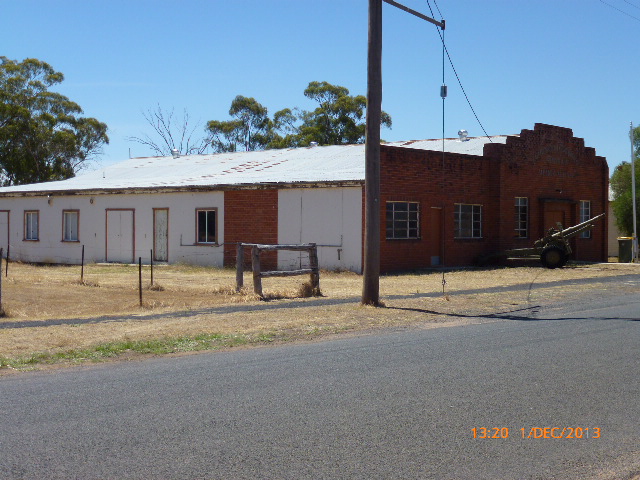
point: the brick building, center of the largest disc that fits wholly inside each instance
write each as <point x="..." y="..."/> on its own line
<point x="503" y="196"/>
<point x="444" y="202"/>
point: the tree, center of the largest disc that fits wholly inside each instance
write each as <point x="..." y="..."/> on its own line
<point x="172" y="134"/>
<point x="620" y="183"/>
<point x="338" y="120"/>
<point x="249" y="130"/>
<point x="43" y="136"/>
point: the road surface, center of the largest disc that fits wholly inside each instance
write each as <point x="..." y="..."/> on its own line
<point x="399" y="404"/>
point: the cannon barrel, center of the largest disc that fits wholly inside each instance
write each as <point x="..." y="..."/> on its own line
<point x="571" y="231"/>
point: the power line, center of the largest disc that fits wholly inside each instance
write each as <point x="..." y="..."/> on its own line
<point x="455" y="72"/>
<point x="621" y="11"/>
<point x="629" y="3"/>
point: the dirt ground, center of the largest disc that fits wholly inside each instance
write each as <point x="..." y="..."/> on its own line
<point x="49" y="308"/>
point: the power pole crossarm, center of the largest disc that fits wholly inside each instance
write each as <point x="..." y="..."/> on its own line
<point x="417" y="14"/>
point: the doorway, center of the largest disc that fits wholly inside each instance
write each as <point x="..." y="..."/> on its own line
<point x="120" y="244"/>
<point x="160" y="234"/>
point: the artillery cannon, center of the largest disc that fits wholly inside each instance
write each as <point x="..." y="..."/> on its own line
<point x="554" y="248"/>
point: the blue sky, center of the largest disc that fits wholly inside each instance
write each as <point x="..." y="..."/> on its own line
<point x="571" y="63"/>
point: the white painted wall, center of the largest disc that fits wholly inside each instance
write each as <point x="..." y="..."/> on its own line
<point x="329" y="217"/>
<point x="92" y="226"/>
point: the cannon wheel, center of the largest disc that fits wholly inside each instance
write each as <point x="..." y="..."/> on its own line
<point x="553" y="257"/>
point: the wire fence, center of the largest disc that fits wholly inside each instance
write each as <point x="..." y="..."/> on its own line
<point x="145" y="282"/>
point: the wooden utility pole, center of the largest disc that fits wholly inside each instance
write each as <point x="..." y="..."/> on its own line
<point x="371" y="267"/>
<point x="372" y="210"/>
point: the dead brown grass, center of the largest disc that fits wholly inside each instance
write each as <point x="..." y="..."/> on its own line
<point x="49" y="309"/>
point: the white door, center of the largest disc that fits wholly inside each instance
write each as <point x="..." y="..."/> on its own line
<point x="120" y="236"/>
<point x="4" y="231"/>
<point x="161" y="234"/>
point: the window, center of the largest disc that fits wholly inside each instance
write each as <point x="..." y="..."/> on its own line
<point x="31" y="225"/>
<point x="585" y="214"/>
<point x="70" y="225"/>
<point x="467" y="221"/>
<point x="206" y="226"/>
<point x="522" y="217"/>
<point x="402" y="220"/>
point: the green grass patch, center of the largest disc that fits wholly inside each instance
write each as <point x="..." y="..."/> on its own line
<point x="162" y="346"/>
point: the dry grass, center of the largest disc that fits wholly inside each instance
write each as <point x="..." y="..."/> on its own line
<point x="48" y="308"/>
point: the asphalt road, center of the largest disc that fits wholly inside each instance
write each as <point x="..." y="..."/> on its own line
<point x="398" y="404"/>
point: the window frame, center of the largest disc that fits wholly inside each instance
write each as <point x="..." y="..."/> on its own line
<point x="521" y="205"/>
<point x="28" y="227"/>
<point x="397" y="224"/>
<point x="64" y="226"/>
<point x="213" y="210"/>
<point x="459" y="229"/>
<point x="583" y="217"/>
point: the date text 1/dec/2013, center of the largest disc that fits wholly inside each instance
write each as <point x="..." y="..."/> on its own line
<point x="538" y="432"/>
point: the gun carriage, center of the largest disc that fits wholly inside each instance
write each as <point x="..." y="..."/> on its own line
<point x="554" y="248"/>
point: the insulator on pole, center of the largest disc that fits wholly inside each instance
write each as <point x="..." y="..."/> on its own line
<point x="443" y="91"/>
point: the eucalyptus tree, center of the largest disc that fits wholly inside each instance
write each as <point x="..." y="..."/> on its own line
<point x="43" y="135"/>
<point x="620" y="183"/>
<point x="248" y="129"/>
<point x="339" y="118"/>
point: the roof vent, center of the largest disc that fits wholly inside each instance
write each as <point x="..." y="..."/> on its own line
<point x="175" y="152"/>
<point x="313" y="144"/>
<point x="463" y="135"/>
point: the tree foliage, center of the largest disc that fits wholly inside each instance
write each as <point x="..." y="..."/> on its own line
<point x="339" y="119"/>
<point x="248" y="130"/>
<point x="621" y="187"/>
<point x="171" y="133"/>
<point x="43" y="136"/>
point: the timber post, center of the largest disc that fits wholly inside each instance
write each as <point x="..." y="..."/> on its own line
<point x="140" y="279"/>
<point x="255" y="266"/>
<point x="239" y="267"/>
<point x="1" y="309"/>
<point x="315" y="271"/>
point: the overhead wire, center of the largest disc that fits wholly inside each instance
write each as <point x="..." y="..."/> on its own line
<point x="446" y="50"/>
<point x="621" y="11"/>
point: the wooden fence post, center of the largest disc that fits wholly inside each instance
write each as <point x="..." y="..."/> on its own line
<point x="239" y="267"/>
<point x="151" y="263"/>
<point x="255" y="265"/>
<point x="6" y="272"/>
<point x="82" y="266"/>
<point x="315" y="273"/>
<point x="1" y="309"/>
<point x="140" y="278"/>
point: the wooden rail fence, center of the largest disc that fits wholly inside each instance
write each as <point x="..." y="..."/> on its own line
<point x="258" y="274"/>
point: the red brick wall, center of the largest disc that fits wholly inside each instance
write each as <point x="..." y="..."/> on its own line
<point x="549" y="166"/>
<point x="250" y="216"/>
<point x="555" y="171"/>
<point x="422" y="176"/>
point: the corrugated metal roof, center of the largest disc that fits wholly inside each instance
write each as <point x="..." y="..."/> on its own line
<point x="470" y="146"/>
<point x="334" y="163"/>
